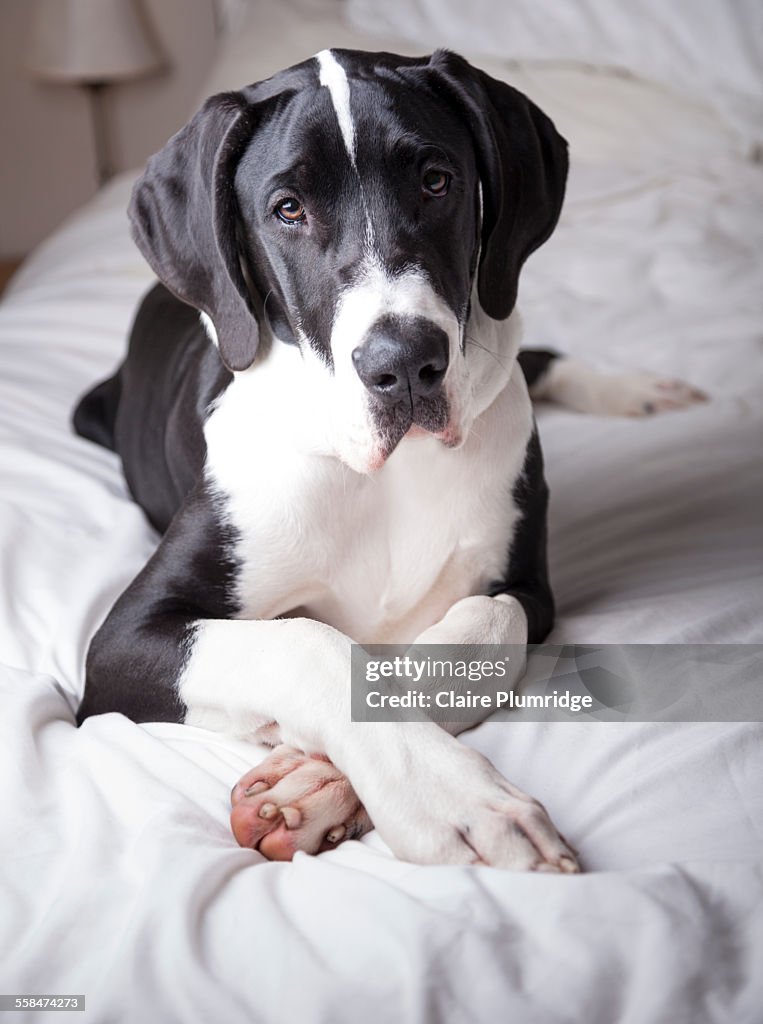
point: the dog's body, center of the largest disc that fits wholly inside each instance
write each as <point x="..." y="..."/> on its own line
<point x="371" y="471"/>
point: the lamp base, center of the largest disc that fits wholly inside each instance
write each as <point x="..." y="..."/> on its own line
<point x="104" y="164"/>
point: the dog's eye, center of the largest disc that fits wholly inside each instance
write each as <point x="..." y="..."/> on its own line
<point x="435" y="183"/>
<point x="290" y="210"/>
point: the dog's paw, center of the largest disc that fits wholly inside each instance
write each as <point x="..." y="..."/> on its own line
<point x="455" y="808"/>
<point x="576" y="385"/>
<point x="291" y="802"/>
<point x="636" y="393"/>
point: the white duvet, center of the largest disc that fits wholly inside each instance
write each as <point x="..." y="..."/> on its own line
<point x="120" y="878"/>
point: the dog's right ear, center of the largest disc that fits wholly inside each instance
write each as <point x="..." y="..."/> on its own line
<point x="522" y="163"/>
<point x="184" y="218"/>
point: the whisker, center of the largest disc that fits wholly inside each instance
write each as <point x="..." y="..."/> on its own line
<point x="484" y="348"/>
<point x="473" y="430"/>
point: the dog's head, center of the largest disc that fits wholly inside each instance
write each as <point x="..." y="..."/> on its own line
<point x="362" y="207"/>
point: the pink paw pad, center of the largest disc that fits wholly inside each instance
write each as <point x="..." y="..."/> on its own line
<point x="292" y="801"/>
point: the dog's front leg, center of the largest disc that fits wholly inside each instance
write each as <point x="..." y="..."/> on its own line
<point x="280" y="680"/>
<point x="530" y="838"/>
<point x="160" y="655"/>
<point x="432" y="799"/>
<point x="471" y="623"/>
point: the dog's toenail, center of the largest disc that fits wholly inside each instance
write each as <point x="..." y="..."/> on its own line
<point x="336" y="834"/>
<point x="268" y="811"/>
<point x="291" y="816"/>
<point x="648" y="407"/>
<point x="568" y="865"/>
<point x="258" y="787"/>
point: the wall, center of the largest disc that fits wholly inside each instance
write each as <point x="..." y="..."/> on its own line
<point x="47" y="164"/>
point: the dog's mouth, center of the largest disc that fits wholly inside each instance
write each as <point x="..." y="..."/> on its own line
<point x="422" y="417"/>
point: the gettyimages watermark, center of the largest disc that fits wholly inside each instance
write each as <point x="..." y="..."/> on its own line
<point x="547" y="682"/>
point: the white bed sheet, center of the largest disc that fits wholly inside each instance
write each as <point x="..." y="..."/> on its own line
<point x="120" y="878"/>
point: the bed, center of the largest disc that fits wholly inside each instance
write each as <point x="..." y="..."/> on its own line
<point x="120" y="877"/>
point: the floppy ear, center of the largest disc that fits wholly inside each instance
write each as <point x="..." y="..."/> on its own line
<point x="522" y="163"/>
<point x="184" y="218"/>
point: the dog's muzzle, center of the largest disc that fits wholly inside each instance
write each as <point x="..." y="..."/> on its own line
<point x="403" y="360"/>
<point x="402" y="364"/>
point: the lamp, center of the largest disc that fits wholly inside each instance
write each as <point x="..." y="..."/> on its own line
<point x="91" y="43"/>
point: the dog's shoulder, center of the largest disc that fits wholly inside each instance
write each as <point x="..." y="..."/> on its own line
<point x="168" y="384"/>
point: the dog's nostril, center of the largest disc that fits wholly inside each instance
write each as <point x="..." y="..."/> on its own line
<point x="387" y="380"/>
<point x="429" y="374"/>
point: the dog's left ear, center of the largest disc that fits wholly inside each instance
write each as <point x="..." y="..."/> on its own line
<point x="184" y="217"/>
<point x="522" y="163"/>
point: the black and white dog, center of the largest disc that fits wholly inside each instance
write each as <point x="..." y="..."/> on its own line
<point x="342" y="444"/>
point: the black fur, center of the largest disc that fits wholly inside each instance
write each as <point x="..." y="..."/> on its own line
<point x="535" y="363"/>
<point x="152" y="411"/>
<point x="526" y="576"/>
<point x="138" y="653"/>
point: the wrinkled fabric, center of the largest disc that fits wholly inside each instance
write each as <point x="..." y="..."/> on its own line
<point x="120" y="878"/>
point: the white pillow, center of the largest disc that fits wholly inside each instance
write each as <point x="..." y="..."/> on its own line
<point x="707" y="49"/>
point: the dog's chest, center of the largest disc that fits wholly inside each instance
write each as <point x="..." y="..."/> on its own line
<point x="379" y="557"/>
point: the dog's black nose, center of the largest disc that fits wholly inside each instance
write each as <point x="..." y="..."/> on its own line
<point x="402" y="358"/>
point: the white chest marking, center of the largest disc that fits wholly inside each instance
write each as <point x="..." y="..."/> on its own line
<point x="379" y="557"/>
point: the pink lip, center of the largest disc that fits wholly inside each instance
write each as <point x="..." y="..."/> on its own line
<point x="415" y="431"/>
<point x="449" y="437"/>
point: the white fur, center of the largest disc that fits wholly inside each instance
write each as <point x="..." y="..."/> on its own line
<point x="454" y="808"/>
<point x="375" y="294"/>
<point x="209" y="328"/>
<point x="577" y="386"/>
<point x="333" y="76"/>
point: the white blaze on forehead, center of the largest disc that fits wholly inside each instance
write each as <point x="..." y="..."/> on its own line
<point x="333" y="76"/>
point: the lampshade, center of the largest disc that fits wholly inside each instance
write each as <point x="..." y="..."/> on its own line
<point x="90" y="41"/>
